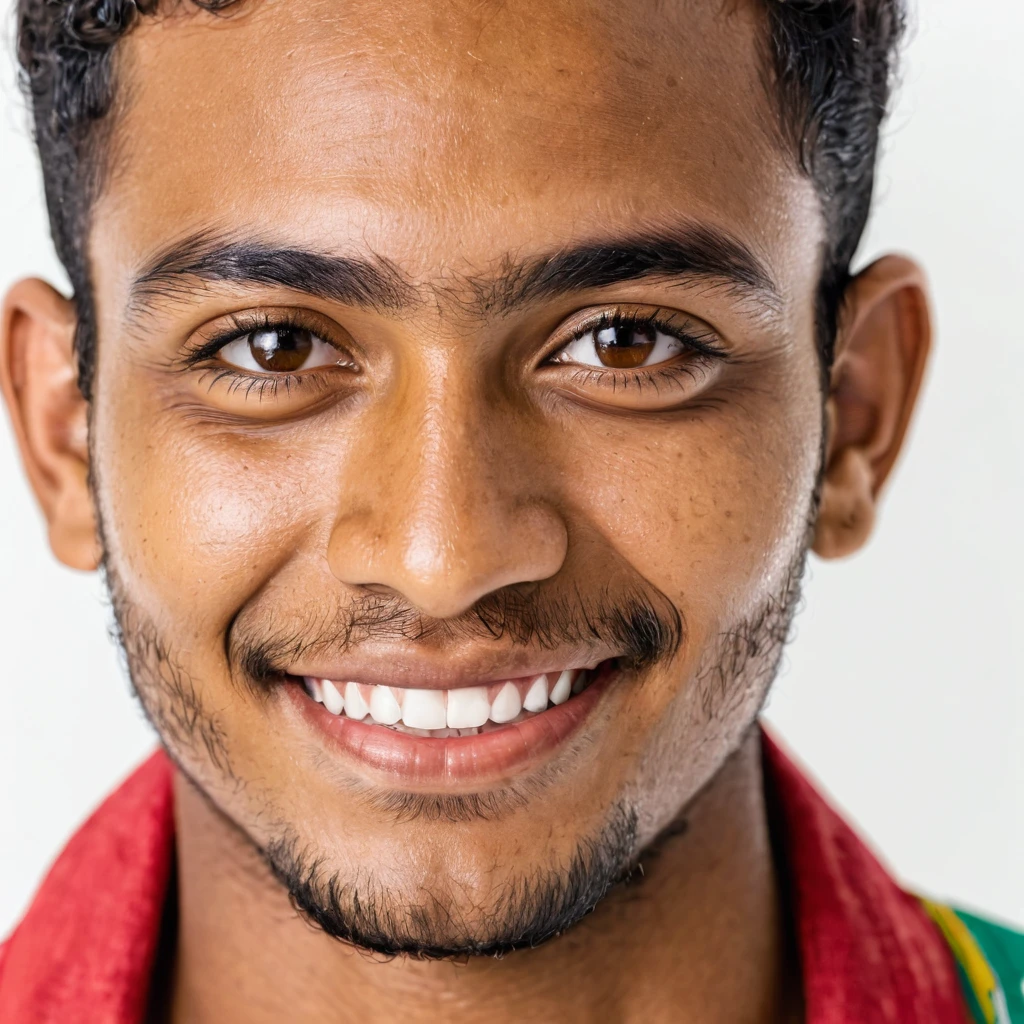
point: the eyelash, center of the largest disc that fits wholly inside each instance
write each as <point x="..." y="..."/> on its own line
<point x="269" y="386"/>
<point x="265" y="386"/>
<point x="669" y="373"/>
<point x="244" y="324"/>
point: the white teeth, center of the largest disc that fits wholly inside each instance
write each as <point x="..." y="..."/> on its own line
<point x="333" y="701"/>
<point x="536" y="698"/>
<point x="507" y="704"/>
<point x="562" y="689"/>
<point x="355" y="706"/>
<point x="441" y="713"/>
<point x="423" y="709"/>
<point x="468" y="707"/>
<point x="384" y="709"/>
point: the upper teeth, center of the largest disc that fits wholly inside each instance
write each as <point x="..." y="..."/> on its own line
<point x="465" y="707"/>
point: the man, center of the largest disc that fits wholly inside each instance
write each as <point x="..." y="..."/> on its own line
<point x="450" y="394"/>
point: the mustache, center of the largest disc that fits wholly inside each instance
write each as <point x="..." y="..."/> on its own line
<point x="641" y="624"/>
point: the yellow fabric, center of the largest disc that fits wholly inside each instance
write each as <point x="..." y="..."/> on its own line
<point x="984" y="985"/>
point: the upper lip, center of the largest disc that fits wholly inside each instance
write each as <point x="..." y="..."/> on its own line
<point x="440" y="670"/>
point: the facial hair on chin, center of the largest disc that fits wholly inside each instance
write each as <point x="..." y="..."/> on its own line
<point x="532" y="908"/>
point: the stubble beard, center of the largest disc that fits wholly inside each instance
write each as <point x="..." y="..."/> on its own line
<point x="528" y="908"/>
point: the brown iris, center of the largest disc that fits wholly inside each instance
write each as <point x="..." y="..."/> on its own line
<point x="281" y="349"/>
<point x="624" y="346"/>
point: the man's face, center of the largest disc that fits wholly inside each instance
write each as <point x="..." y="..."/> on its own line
<point x="458" y="435"/>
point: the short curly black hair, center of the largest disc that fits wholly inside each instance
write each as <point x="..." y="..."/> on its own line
<point x="829" y="65"/>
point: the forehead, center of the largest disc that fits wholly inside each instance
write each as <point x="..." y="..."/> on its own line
<point x="447" y="133"/>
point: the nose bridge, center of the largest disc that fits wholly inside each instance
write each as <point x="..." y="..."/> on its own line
<point x="450" y="491"/>
<point x="447" y="514"/>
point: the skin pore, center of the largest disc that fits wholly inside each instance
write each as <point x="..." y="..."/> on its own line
<point x="424" y="219"/>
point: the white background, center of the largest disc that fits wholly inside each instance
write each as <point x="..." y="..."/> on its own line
<point x="904" y="690"/>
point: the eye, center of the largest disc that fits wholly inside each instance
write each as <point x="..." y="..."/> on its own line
<point x="621" y="345"/>
<point x="279" y="350"/>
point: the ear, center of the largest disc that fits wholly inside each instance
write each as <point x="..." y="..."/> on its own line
<point x="49" y="415"/>
<point x="881" y="352"/>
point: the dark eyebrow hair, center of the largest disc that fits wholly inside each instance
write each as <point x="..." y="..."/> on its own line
<point x="372" y="281"/>
<point x="694" y="251"/>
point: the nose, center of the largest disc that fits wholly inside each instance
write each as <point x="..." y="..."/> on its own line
<point x="445" y="507"/>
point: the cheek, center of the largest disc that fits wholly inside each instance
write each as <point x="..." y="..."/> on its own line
<point x="197" y="521"/>
<point x="710" y="510"/>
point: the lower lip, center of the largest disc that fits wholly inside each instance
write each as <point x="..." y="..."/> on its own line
<point x="489" y="757"/>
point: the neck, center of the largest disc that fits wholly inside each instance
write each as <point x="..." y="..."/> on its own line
<point x="699" y="937"/>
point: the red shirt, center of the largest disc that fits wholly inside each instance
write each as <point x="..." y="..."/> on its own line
<point x="84" y="952"/>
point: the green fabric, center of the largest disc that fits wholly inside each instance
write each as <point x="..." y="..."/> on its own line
<point x="1004" y="950"/>
<point x="974" y="1008"/>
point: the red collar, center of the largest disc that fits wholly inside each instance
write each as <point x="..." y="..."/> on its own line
<point x="84" y="951"/>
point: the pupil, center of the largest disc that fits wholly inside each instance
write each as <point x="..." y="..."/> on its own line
<point x="282" y="350"/>
<point x="625" y="346"/>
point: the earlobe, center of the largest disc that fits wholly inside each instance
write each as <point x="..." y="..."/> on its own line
<point x="847" y="506"/>
<point x="881" y="353"/>
<point x="38" y="376"/>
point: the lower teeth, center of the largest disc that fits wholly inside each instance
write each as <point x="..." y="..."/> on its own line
<point x="441" y="734"/>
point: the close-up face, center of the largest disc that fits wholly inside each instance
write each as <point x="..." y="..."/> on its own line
<point x="455" y="434"/>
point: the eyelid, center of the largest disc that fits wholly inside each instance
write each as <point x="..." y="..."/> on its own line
<point x="671" y="322"/>
<point x="249" y="321"/>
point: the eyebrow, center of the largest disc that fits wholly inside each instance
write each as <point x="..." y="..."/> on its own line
<point x="372" y="282"/>
<point x="693" y="252"/>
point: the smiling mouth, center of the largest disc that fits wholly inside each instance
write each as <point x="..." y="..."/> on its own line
<point x="457" y="712"/>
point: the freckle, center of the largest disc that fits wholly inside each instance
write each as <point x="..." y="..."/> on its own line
<point x="670" y="82"/>
<point x="728" y="515"/>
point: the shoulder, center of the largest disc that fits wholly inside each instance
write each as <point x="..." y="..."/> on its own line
<point x="990" y="956"/>
<point x="85" y="945"/>
<point x="5" y="945"/>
